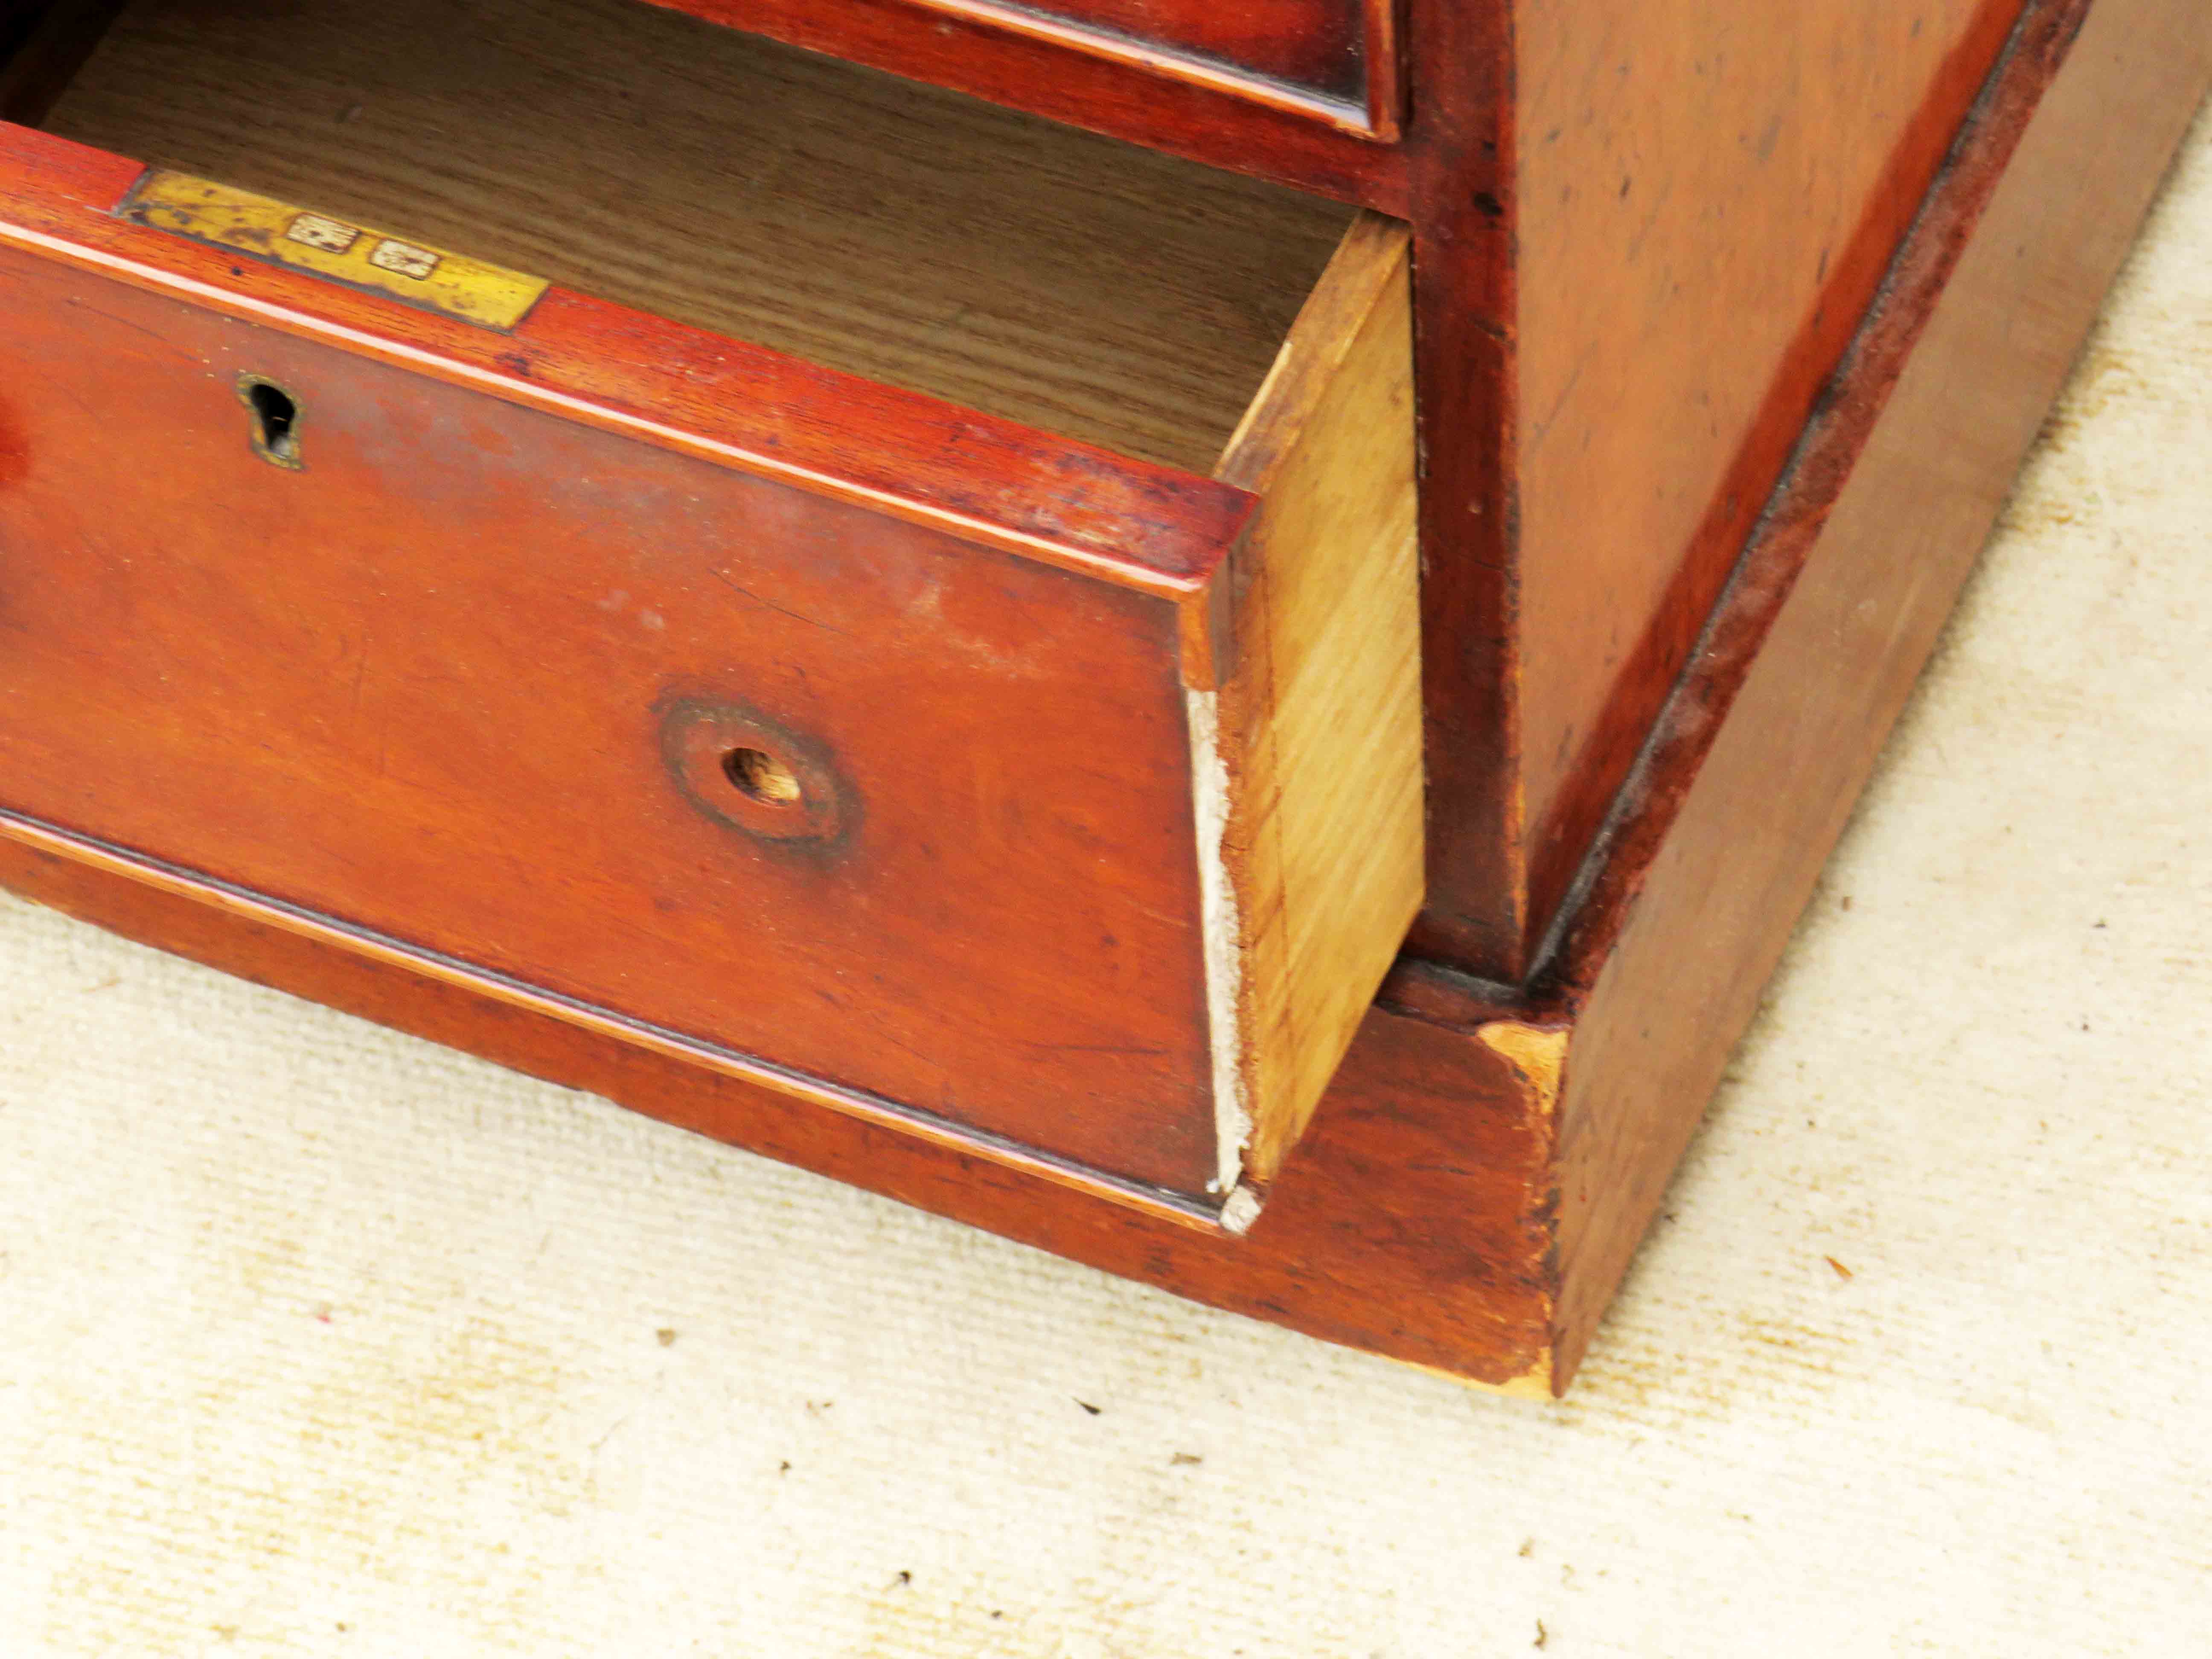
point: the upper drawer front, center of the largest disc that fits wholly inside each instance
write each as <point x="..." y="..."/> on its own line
<point x="1329" y="56"/>
<point x="933" y="766"/>
<point x="1211" y="81"/>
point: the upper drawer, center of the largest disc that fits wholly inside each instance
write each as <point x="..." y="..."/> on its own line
<point x="968" y="765"/>
<point x="1331" y="61"/>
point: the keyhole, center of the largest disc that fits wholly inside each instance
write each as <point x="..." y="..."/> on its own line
<point x="275" y="434"/>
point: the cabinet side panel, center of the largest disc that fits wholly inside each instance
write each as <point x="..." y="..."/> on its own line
<point x="1708" y="193"/>
<point x="1777" y="729"/>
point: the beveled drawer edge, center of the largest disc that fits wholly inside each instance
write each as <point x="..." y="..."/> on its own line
<point x="1233" y="1215"/>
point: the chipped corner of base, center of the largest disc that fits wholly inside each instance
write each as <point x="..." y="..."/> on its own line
<point x="1537" y="1053"/>
<point x="1534" y="1383"/>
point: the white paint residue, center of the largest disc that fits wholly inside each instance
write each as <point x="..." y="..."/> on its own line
<point x="1239" y="1211"/>
<point x="1221" y="926"/>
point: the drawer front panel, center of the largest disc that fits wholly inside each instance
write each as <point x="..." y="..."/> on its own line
<point x="737" y="760"/>
<point x="1317" y="47"/>
<point x="1331" y="63"/>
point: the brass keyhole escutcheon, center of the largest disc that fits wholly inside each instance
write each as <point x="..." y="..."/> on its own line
<point x="275" y="434"/>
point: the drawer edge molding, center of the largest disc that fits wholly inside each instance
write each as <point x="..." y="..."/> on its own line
<point x="1098" y="87"/>
<point x="988" y="481"/>
<point x="1233" y="1215"/>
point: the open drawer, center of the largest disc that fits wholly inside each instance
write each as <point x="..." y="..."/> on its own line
<point x="821" y="654"/>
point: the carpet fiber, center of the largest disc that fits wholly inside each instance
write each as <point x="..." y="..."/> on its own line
<point x="316" y="1339"/>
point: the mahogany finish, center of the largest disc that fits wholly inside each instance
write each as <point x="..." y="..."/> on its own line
<point x="1333" y="59"/>
<point x="1473" y="1184"/>
<point x="1643" y="238"/>
<point x="1829" y="619"/>
<point x="896" y="231"/>
<point x="831" y="736"/>
<point x="454" y="714"/>
<point x="1683" y="218"/>
<point x="1179" y="103"/>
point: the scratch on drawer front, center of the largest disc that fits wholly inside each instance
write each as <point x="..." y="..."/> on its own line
<point x="361" y="258"/>
<point x="1223" y="929"/>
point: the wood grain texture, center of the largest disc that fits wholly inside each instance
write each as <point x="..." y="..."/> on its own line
<point x="898" y="232"/>
<point x="1412" y="1223"/>
<point x="1325" y="830"/>
<point x="1316" y="58"/>
<point x="901" y="453"/>
<point x="1461" y="1159"/>
<point x="1839" y="602"/>
<point x="441" y="683"/>
<point x="1341" y="924"/>
<point x="1022" y="59"/>
<point x="1700" y="197"/>
<point x="1462" y="147"/>
<point x="1669" y="355"/>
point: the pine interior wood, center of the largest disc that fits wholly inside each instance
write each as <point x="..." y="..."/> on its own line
<point x="1105" y="293"/>
<point x="1326" y="825"/>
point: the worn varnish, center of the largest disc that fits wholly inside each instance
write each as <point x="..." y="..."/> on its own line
<point x="942" y="771"/>
<point x="443" y="715"/>
<point x="1682" y="211"/>
<point x="892" y="230"/>
<point x="1639" y="246"/>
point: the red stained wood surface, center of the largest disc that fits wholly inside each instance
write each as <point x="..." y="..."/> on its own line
<point x="1412" y="1222"/>
<point x="1832" y="612"/>
<point x="1697" y="199"/>
<point x="439" y="684"/>
<point x="984" y="479"/>
<point x="1448" y="1207"/>
<point x="1310" y="55"/>
<point x="1185" y="102"/>
<point x="423" y="686"/>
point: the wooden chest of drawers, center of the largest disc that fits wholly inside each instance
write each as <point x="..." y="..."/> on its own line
<point x="958" y="650"/>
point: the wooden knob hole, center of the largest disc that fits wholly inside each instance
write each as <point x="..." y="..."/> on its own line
<point x="763" y="776"/>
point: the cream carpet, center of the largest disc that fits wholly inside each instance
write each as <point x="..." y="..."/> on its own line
<point x="315" y="1339"/>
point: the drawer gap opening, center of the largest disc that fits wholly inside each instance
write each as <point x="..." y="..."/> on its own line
<point x="917" y="236"/>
